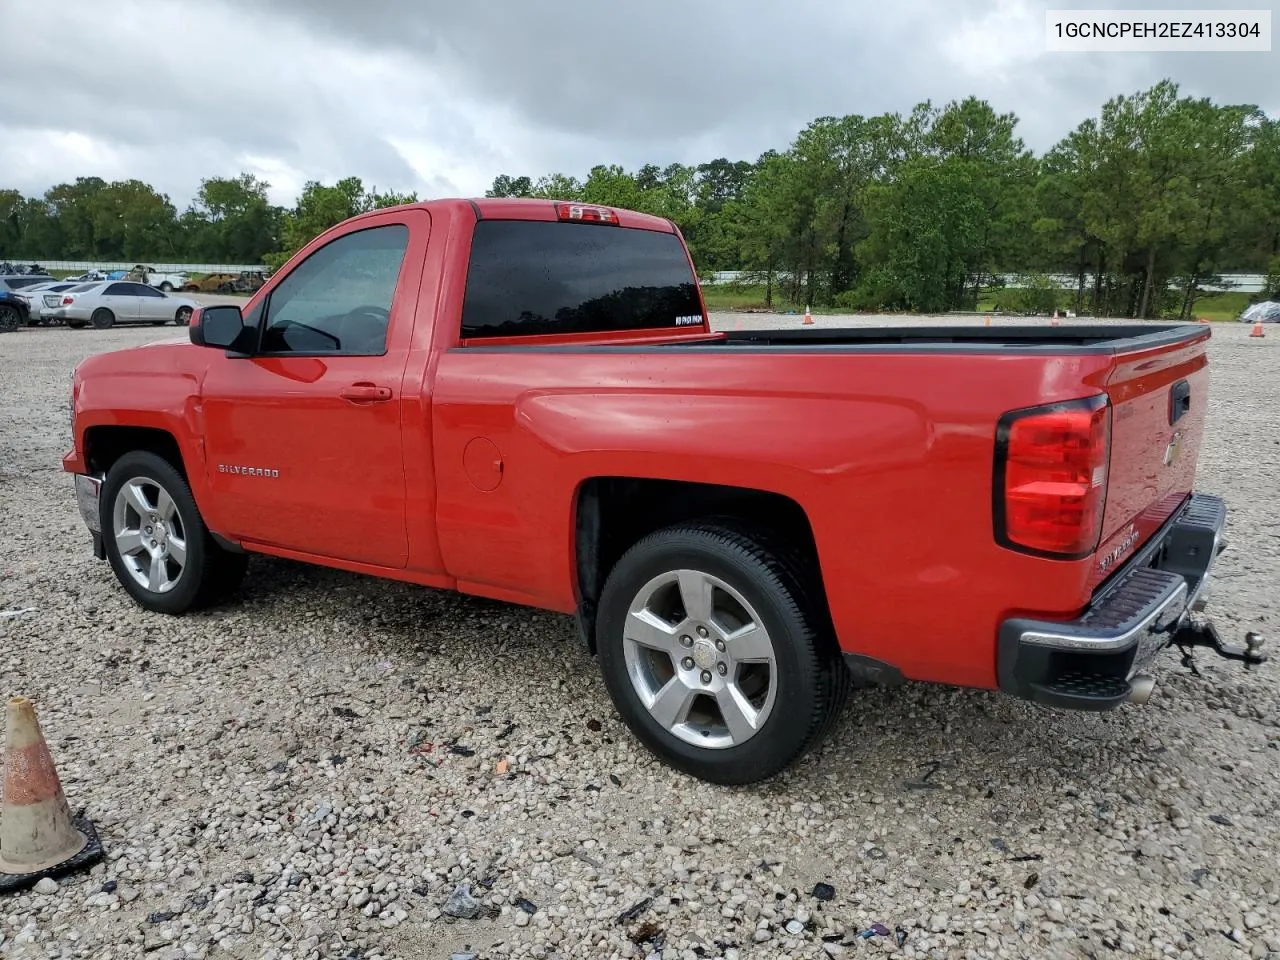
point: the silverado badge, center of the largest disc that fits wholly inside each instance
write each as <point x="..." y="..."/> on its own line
<point x="248" y="471"/>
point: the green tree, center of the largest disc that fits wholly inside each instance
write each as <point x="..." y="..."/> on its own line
<point x="505" y="186"/>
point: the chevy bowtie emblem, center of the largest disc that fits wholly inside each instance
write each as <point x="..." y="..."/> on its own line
<point x="1171" y="451"/>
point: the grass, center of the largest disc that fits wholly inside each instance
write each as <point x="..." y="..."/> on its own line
<point x="1221" y="306"/>
<point x="724" y="296"/>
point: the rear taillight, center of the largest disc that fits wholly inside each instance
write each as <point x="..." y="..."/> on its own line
<point x="67" y="301"/>
<point x="585" y="213"/>
<point x="1051" y="477"/>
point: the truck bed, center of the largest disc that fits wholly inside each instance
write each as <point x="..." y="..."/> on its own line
<point x="1032" y="339"/>
<point x="1036" y="338"/>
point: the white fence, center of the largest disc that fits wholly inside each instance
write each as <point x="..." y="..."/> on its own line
<point x="83" y="266"/>
<point x="1241" y="282"/>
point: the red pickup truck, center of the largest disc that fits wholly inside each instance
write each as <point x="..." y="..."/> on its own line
<point x="525" y="400"/>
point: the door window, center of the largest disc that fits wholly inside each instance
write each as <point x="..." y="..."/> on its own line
<point x="339" y="299"/>
<point x="119" y="290"/>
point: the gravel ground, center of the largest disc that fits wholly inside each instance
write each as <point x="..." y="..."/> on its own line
<point x="313" y="771"/>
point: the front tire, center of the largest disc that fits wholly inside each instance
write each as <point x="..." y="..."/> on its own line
<point x="167" y="287"/>
<point x="156" y="541"/>
<point x="183" y="317"/>
<point x="102" y="318"/>
<point x="10" y="318"/>
<point x="717" y="652"/>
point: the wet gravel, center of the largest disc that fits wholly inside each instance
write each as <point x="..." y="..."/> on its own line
<point x="338" y="767"/>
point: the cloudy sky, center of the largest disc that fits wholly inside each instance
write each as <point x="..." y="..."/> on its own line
<point x="439" y="96"/>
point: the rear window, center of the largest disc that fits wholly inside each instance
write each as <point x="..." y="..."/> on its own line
<point x="531" y="278"/>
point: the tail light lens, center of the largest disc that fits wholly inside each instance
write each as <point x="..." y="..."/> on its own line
<point x="68" y="301"/>
<point x="586" y="213"/>
<point x="1051" y="477"/>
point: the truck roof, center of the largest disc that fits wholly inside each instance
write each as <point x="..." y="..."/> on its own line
<point x="532" y="208"/>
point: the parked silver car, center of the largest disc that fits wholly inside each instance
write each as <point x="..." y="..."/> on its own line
<point x="105" y="303"/>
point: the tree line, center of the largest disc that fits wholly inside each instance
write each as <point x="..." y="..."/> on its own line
<point x="230" y="220"/>
<point x="1142" y="205"/>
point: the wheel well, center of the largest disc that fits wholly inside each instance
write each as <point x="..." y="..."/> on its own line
<point x="105" y="445"/>
<point x="613" y="513"/>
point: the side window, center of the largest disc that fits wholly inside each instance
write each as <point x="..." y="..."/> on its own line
<point x="143" y="290"/>
<point x="338" y="300"/>
<point x="118" y="290"/>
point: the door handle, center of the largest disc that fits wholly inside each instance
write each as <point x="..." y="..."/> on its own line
<point x="365" y="392"/>
<point x="1179" y="401"/>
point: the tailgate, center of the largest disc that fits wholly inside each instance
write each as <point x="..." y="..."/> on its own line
<point x="1158" y="399"/>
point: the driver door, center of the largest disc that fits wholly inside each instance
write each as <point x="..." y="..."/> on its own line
<point x="303" y="439"/>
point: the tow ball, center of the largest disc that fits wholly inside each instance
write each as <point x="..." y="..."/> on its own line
<point x="1192" y="634"/>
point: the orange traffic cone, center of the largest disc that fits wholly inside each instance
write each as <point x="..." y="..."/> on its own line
<point x="808" y="317"/>
<point x="1257" y="329"/>
<point x="38" y="836"/>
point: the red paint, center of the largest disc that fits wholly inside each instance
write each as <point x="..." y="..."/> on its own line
<point x="466" y="477"/>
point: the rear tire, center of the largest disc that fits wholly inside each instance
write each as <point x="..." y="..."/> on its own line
<point x="167" y="287"/>
<point x="777" y="689"/>
<point x="156" y="541"/>
<point x="102" y="318"/>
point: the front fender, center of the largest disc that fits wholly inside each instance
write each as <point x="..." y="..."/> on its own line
<point x="144" y="396"/>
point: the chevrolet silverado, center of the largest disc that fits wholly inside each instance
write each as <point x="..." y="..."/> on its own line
<point x="525" y="400"/>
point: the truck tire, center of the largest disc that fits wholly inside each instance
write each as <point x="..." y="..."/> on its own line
<point x="166" y="286"/>
<point x="102" y="318"/>
<point x="717" y="651"/>
<point x="156" y="541"/>
<point x="10" y="318"/>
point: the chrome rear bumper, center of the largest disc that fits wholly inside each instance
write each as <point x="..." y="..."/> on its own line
<point x="1095" y="662"/>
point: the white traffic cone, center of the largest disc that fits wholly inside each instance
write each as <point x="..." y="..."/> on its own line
<point x="38" y="837"/>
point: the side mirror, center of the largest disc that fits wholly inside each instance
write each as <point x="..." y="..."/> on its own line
<point x="220" y="326"/>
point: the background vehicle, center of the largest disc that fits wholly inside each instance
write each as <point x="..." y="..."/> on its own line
<point x="246" y="281"/>
<point x="106" y="303"/>
<point x="524" y="400"/>
<point x="13" y="311"/>
<point x="162" y="281"/>
<point x="41" y="296"/>
<point x="1265" y="311"/>
<point x="19" y="281"/>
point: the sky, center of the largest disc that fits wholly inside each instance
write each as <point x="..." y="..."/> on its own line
<point x="440" y="96"/>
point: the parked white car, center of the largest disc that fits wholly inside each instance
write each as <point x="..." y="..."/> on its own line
<point x="43" y="296"/>
<point x="107" y="303"/>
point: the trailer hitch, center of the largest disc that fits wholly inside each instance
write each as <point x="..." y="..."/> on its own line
<point x="1193" y="634"/>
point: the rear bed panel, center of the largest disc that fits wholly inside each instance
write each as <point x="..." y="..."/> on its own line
<point x="1153" y="460"/>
